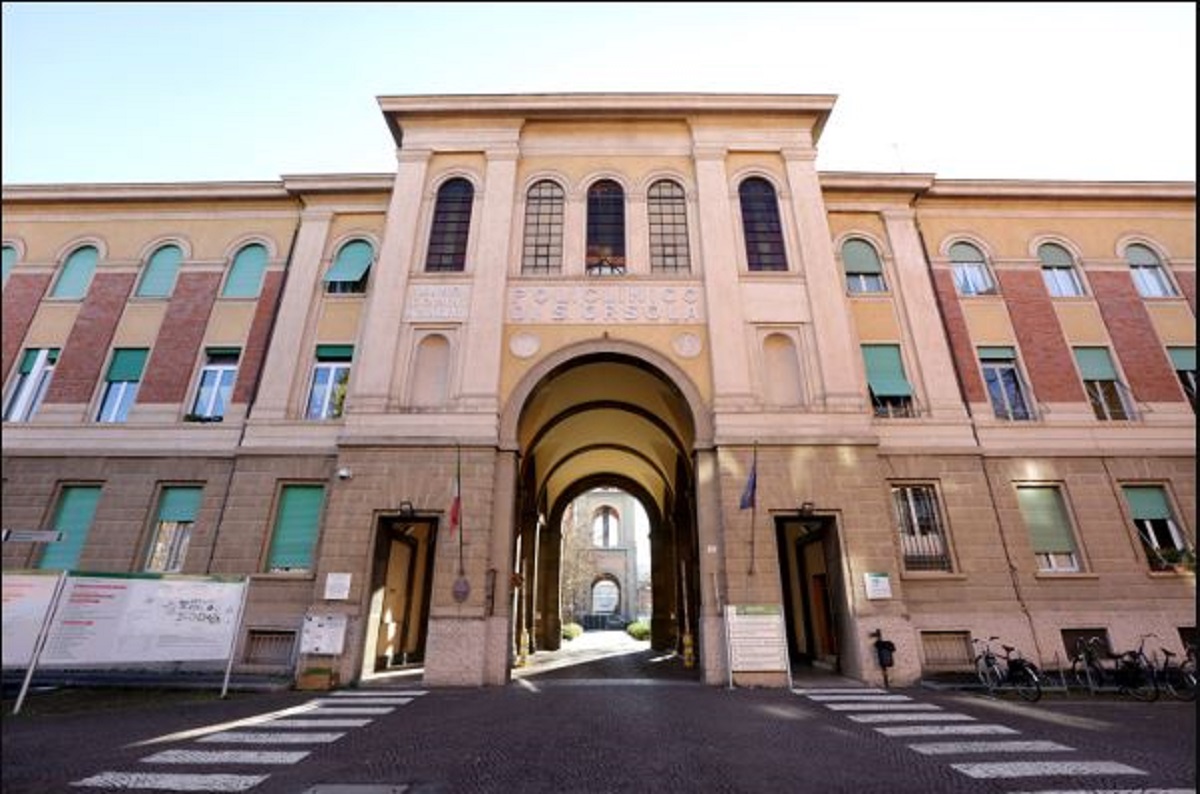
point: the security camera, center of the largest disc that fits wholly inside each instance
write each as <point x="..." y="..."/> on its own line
<point x="344" y="473"/>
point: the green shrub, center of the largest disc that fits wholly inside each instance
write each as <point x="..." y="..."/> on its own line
<point x="571" y="630"/>
<point x="639" y="630"/>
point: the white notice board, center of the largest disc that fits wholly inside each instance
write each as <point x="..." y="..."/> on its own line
<point x="27" y="598"/>
<point x="104" y="619"/>
<point x="757" y="638"/>
<point x="323" y="634"/>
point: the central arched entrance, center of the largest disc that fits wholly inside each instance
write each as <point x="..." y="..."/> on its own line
<point x="608" y="418"/>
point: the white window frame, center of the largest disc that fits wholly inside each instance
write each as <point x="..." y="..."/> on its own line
<point x="1062" y="281"/>
<point x="1006" y="411"/>
<point x="328" y="406"/>
<point x="1152" y="281"/>
<point x="29" y="389"/>
<point x="1057" y="562"/>
<point x="171" y="538"/>
<point x="917" y="540"/>
<point x="973" y="278"/>
<point x="220" y="370"/>
<point x="119" y="396"/>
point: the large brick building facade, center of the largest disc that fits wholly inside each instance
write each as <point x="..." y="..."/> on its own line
<point x="968" y="407"/>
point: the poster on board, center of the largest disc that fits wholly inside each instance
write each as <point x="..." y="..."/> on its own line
<point x="27" y="598"/>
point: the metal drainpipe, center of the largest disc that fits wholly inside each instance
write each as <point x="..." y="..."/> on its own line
<point x="287" y="269"/>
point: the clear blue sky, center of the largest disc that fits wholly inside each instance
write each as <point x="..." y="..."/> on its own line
<point x="114" y="92"/>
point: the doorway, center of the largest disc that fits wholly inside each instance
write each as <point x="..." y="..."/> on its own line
<point x="810" y="568"/>
<point x="401" y="582"/>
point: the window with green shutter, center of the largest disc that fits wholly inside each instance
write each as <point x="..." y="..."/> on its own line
<point x="1183" y="359"/>
<point x="1162" y="540"/>
<point x="296" y="522"/>
<point x="120" y="391"/>
<point x="73" y="518"/>
<point x="350" y="268"/>
<point x="864" y="272"/>
<point x="158" y="277"/>
<point x="29" y="386"/>
<point x="891" y="394"/>
<point x="246" y="274"/>
<point x="1049" y="526"/>
<point x="9" y="259"/>
<point x="177" y="510"/>
<point x="1108" y="396"/>
<point x="76" y="274"/>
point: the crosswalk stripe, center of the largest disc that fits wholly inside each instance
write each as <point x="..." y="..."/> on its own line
<point x="846" y="691"/>
<point x="881" y="707"/>
<point x="245" y="737"/>
<point x="171" y="782"/>
<point x="1009" y="769"/>
<point x="377" y="701"/>
<point x="1112" y="791"/>
<point x="353" y="710"/>
<point x="908" y="716"/>
<point x="225" y="757"/>
<point x="943" y="730"/>
<point x="332" y="722"/>
<point x="1012" y="746"/>
<point x="374" y="693"/>
<point x="861" y="698"/>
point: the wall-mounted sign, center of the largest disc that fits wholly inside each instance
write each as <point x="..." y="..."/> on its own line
<point x="878" y="585"/>
<point x="757" y="638"/>
<point x="337" y="586"/>
<point x="323" y="634"/>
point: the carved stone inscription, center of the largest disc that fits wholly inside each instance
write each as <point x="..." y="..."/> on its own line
<point x="438" y="302"/>
<point x="621" y="303"/>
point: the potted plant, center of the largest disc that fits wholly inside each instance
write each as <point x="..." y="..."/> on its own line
<point x="1176" y="559"/>
<point x="317" y="678"/>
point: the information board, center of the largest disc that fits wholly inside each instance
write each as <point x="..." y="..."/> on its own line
<point x="323" y="634"/>
<point x="107" y="619"/>
<point x="757" y="638"/>
<point x="27" y="599"/>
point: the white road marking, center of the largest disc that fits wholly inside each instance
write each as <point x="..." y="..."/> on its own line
<point x="170" y="782"/>
<point x="1037" y="768"/>
<point x="354" y="710"/>
<point x="846" y="691"/>
<point x="332" y="722"/>
<point x="882" y="707"/>
<point x="1112" y="791"/>
<point x="861" y="698"/>
<point x="243" y="737"/>
<point x="908" y="716"/>
<point x="361" y="701"/>
<point x="1013" y="746"/>
<point x="225" y="757"/>
<point x="374" y="693"/>
<point x="258" y="719"/>
<point x="945" y="730"/>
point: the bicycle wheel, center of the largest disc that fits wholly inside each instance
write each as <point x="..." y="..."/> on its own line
<point x="989" y="675"/>
<point x="1180" y="683"/>
<point x="1087" y="675"/>
<point x="1141" y="683"/>
<point x="1027" y="684"/>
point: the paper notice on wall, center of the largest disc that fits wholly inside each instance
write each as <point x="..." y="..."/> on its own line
<point x="115" y="619"/>
<point x="323" y="634"/>
<point x="757" y="638"/>
<point x="27" y="599"/>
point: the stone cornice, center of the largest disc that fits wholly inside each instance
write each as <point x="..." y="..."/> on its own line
<point x="148" y="191"/>
<point x="1057" y="189"/>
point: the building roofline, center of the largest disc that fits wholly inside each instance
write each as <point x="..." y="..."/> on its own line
<point x="286" y="187"/>
<point x="1059" y="188"/>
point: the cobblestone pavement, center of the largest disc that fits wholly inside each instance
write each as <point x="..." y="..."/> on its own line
<point x="624" y="719"/>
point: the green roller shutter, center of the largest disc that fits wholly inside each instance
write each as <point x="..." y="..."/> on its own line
<point x="1183" y="358"/>
<point x="997" y="353"/>
<point x="1046" y="517"/>
<point x="159" y="277"/>
<point x="1054" y="256"/>
<point x="335" y="352"/>
<point x="246" y="274"/>
<point x="76" y="274"/>
<point x="351" y="262"/>
<point x="127" y="364"/>
<point x="965" y="252"/>
<point x="179" y="503"/>
<point x="295" y="535"/>
<point x="885" y="371"/>
<point x="1094" y="363"/>
<point x="29" y="358"/>
<point x="235" y="352"/>
<point x="860" y="258"/>
<point x="73" y="518"/>
<point x="1147" y="501"/>
<point x="10" y="259"/>
<point x="1141" y="256"/>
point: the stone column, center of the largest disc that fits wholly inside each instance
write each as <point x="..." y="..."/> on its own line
<point x="637" y="234"/>
<point x="919" y="311"/>
<point x="285" y="360"/>
<point x="842" y="379"/>
<point x="574" y="232"/>
<point x="498" y="631"/>
<point x="710" y="645"/>
<point x="549" y="570"/>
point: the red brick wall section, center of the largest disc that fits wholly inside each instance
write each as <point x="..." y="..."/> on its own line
<point x="960" y="336"/>
<point x="86" y="350"/>
<point x="1044" y="349"/>
<point x="1187" y="283"/>
<point x="1134" y="339"/>
<point x="22" y="294"/>
<point x="256" y="343"/>
<point x="169" y="369"/>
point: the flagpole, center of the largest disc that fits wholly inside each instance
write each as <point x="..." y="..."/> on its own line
<point x="753" y="504"/>
<point x="458" y="492"/>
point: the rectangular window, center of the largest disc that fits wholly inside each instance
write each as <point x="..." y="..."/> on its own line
<point x="1006" y="388"/>
<point x="295" y="536"/>
<point x="973" y="278"/>
<point x="947" y="650"/>
<point x="121" y="387"/>
<point x="29" y="387"/>
<point x="891" y="394"/>
<point x="1062" y="282"/>
<point x="922" y="538"/>
<point x="1183" y="359"/>
<point x="1049" y="525"/>
<point x="1109" y="397"/>
<point x="1151" y="281"/>
<point x="331" y="375"/>
<point x="215" y="389"/>
<point x="1165" y="545"/>
<point x="177" y="509"/>
<point x="73" y="518"/>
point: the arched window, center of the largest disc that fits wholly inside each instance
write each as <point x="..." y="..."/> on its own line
<point x="864" y="272"/>
<point x="606" y="597"/>
<point x="971" y="274"/>
<point x="76" y="274"/>
<point x="543" y="229"/>
<point x="1148" y="274"/>
<point x="606" y="528"/>
<point x="350" y="268"/>
<point x="605" y="229"/>
<point x="246" y="275"/>
<point x="761" y="226"/>
<point x="158" y="277"/>
<point x="1058" y="271"/>
<point x="667" y="208"/>
<point x="451" y="225"/>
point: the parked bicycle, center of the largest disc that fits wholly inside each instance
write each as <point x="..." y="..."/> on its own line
<point x="1131" y="673"/>
<point x="1179" y="679"/>
<point x="1013" y="670"/>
